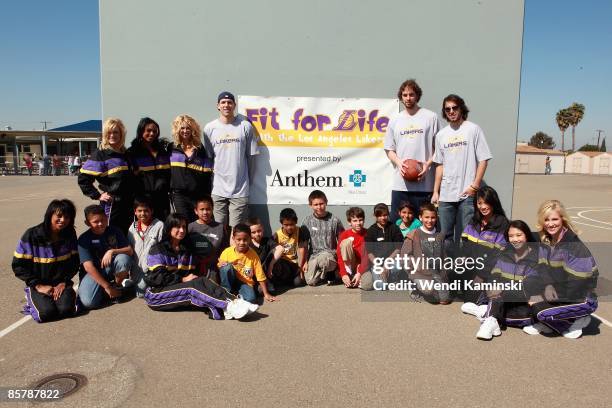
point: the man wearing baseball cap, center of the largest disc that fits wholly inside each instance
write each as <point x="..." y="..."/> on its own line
<point x="231" y="140"/>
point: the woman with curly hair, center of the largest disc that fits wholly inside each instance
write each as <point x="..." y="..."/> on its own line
<point x="190" y="166"/>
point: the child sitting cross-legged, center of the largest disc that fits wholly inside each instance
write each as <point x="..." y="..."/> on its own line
<point x="240" y="269"/>
<point x="173" y="284"/>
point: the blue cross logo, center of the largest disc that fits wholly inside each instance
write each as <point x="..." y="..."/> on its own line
<point x="357" y="178"/>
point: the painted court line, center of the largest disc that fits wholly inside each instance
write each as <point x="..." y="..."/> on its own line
<point x="580" y="214"/>
<point x="590" y="225"/>
<point x="601" y="319"/>
<point x="14" y="326"/>
<point x="23" y="320"/>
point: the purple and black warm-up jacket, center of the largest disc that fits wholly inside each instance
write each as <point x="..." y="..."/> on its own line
<point x="190" y="175"/>
<point x="484" y="242"/>
<point x="570" y="267"/>
<point x="152" y="173"/>
<point x="37" y="261"/>
<point x="112" y="172"/>
<point x="167" y="267"/>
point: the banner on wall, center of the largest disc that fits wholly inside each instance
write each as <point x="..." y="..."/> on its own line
<point x="329" y="144"/>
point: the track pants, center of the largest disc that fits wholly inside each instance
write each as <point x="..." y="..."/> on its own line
<point x="43" y="308"/>
<point x="201" y="293"/>
<point x="560" y="316"/>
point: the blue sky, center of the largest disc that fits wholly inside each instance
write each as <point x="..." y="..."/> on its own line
<point x="49" y="64"/>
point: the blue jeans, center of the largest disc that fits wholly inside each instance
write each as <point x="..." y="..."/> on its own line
<point x="231" y="283"/>
<point x="454" y="216"/>
<point x="415" y="198"/>
<point x="91" y="294"/>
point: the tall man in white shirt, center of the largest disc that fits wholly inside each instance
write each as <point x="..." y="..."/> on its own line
<point x="410" y="135"/>
<point x="230" y="140"/>
<point x="462" y="155"/>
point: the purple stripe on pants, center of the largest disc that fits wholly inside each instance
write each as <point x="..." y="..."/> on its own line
<point x="30" y="307"/>
<point x="560" y="318"/>
<point x="185" y="295"/>
<point x="519" y="322"/>
<point x="108" y="208"/>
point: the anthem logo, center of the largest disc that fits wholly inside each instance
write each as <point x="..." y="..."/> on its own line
<point x="357" y="178"/>
<point x="304" y="179"/>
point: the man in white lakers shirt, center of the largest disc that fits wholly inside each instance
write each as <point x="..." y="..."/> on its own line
<point x="410" y="135"/>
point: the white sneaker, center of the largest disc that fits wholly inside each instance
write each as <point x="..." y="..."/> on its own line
<point x="575" y="330"/>
<point x="474" y="310"/>
<point x="537" y="328"/>
<point x="236" y="309"/>
<point x="488" y="328"/>
<point x="251" y="306"/>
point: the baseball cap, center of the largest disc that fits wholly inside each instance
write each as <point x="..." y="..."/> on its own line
<point x="226" y="95"/>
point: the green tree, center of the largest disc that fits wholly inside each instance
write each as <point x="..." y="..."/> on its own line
<point x="542" y="141"/>
<point x="588" y="148"/>
<point x="576" y="113"/>
<point x="603" y="145"/>
<point x="563" y="123"/>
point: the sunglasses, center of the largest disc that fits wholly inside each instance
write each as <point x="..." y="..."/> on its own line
<point x="451" y="109"/>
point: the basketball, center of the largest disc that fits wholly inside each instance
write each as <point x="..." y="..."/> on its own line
<point x="411" y="169"/>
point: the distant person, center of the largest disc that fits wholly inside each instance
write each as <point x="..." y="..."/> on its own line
<point x="173" y="285"/>
<point x="70" y="163"/>
<point x="47" y="165"/>
<point x="462" y="155"/>
<point x="322" y="230"/>
<point x="76" y="165"/>
<point x="109" y="167"/>
<point x="230" y="140"/>
<point x="27" y="159"/>
<point x="46" y="259"/>
<point x="190" y="166"/>
<point x="410" y="135"/>
<point x="106" y="259"/>
<point x="150" y="161"/>
<point x="547" y="168"/>
<point x="57" y="165"/>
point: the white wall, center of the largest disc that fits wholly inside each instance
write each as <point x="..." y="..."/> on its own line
<point x="164" y="58"/>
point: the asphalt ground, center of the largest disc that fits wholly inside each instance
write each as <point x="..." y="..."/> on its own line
<point x="324" y="346"/>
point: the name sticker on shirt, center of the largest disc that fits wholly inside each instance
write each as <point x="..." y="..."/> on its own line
<point x="380" y="238"/>
<point x="95" y="241"/>
<point x="430" y="239"/>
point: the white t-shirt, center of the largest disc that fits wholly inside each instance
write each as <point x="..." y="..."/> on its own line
<point x="412" y="137"/>
<point x="231" y="144"/>
<point x="459" y="151"/>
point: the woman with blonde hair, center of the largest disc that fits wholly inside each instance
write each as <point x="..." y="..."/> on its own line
<point x="109" y="166"/>
<point x="190" y="166"/>
<point x="563" y="297"/>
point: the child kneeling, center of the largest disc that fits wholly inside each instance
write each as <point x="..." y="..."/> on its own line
<point x="172" y="283"/>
